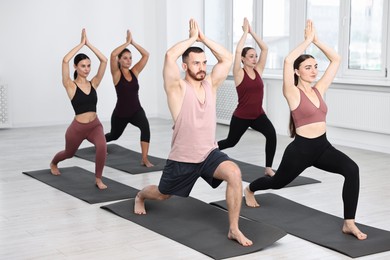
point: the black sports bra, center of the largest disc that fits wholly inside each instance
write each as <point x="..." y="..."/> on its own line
<point x="82" y="102"/>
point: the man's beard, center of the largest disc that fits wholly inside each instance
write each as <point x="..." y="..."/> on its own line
<point x="197" y="76"/>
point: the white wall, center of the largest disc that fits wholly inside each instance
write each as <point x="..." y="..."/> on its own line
<point x="36" y="34"/>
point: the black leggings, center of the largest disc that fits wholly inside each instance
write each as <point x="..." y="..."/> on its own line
<point x="118" y="125"/>
<point x="262" y="124"/>
<point x="318" y="152"/>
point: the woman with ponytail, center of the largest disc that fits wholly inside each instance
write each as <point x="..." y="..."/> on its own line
<point x="250" y="90"/>
<point x="82" y="93"/>
<point x="128" y="107"/>
<point x="308" y="128"/>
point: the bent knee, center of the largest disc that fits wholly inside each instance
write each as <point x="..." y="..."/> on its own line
<point x="351" y="169"/>
<point x="234" y="173"/>
<point x="163" y="196"/>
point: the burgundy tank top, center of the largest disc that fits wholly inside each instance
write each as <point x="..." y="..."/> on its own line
<point x="307" y="113"/>
<point x="250" y="97"/>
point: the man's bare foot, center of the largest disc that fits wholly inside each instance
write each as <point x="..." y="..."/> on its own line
<point x="250" y="199"/>
<point x="54" y="169"/>
<point x="139" y="206"/>
<point x="269" y="171"/>
<point x="147" y="163"/>
<point x="240" y="238"/>
<point x="350" y="228"/>
<point x="100" y="184"/>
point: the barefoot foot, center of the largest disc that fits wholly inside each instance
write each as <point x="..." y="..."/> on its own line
<point x="54" y="169"/>
<point x="147" y="163"/>
<point x="139" y="206"/>
<point x="250" y="199"/>
<point x="269" y="171"/>
<point x="100" y="184"/>
<point x="240" y="238"/>
<point x="350" y="228"/>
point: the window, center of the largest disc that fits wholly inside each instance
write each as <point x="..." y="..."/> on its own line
<point x="216" y="18"/>
<point x="357" y="29"/>
<point x="365" y="35"/>
<point x="325" y="15"/>
<point x="241" y="9"/>
<point x="275" y="26"/>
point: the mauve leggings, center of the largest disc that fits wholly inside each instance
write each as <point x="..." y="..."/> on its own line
<point x="75" y="134"/>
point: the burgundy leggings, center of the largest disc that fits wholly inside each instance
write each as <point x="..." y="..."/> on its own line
<point x="75" y="134"/>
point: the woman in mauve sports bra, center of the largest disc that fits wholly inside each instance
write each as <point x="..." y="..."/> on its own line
<point x="308" y="128"/>
<point x="82" y="93"/>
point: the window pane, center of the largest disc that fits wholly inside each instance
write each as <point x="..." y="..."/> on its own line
<point x="276" y="31"/>
<point x="241" y="9"/>
<point x="325" y="16"/>
<point x="215" y="25"/>
<point x="365" y="47"/>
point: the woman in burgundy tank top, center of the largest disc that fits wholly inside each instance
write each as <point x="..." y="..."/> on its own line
<point x="250" y="90"/>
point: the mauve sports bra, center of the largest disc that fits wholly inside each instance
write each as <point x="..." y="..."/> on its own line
<point x="307" y="113"/>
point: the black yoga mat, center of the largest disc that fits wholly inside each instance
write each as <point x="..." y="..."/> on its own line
<point x="80" y="183"/>
<point x="198" y="225"/>
<point x="251" y="172"/>
<point x="123" y="159"/>
<point x="315" y="226"/>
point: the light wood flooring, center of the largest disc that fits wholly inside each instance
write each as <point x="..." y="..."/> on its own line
<point x="40" y="222"/>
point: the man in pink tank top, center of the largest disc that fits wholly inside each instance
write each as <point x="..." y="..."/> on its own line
<point x="194" y="151"/>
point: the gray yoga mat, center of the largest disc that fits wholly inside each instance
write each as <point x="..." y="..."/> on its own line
<point x="251" y="172"/>
<point x="313" y="225"/>
<point x="198" y="225"/>
<point x="80" y="183"/>
<point x="123" y="159"/>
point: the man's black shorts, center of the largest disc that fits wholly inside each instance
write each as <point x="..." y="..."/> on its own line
<point x="178" y="178"/>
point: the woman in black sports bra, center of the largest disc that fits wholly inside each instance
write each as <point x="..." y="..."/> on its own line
<point x="82" y="94"/>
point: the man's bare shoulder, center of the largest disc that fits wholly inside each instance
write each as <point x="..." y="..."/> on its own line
<point x="175" y="88"/>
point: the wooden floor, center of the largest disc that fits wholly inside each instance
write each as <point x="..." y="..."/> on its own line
<point x="40" y="222"/>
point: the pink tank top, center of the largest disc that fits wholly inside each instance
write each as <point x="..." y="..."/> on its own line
<point x="307" y="113"/>
<point x="194" y="130"/>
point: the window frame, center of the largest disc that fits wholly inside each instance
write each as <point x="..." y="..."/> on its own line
<point x="298" y="14"/>
<point x="344" y="43"/>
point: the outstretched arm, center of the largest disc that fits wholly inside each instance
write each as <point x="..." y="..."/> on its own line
<point x="140" y="65"/>
<point x="330" y="73"/>
<point x="288" y="68"/>
<point x="260" y="65"/>
<point x="66" y="80"/>
<point x="224" y="57"/>
<point x="171" y="71"/>
<point x="238" y="73"/>
<point x="102" y="66"/>
<point x="114" y="67"/>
